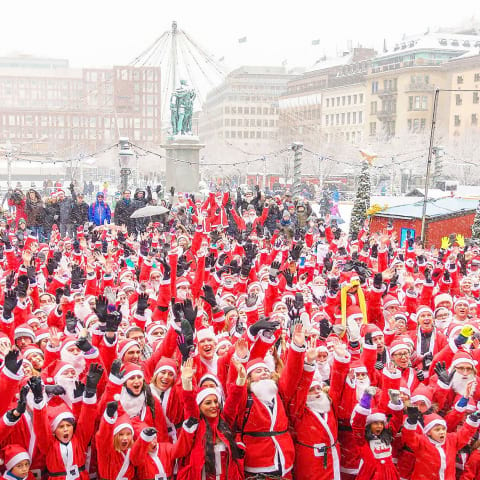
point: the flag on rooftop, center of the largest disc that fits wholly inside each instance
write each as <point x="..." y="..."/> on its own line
<point x="242" y="40"/>
<point x="316" y="42"/>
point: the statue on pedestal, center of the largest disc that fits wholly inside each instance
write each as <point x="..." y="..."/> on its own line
<point x="181" y="109"/>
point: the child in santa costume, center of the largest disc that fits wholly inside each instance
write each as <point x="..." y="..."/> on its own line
<point x="17" y="463"/>
<point x="64" y="441"/>
<point x="215" y="454"/>
<point x="436" y="449"/>
<point x="374" y="436"/>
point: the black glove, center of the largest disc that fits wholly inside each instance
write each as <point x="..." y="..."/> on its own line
<point x="142" y="304"/>
<point x="251" y="251"/>
<point x="76" y="246"/>
<point x="94" y="375"/>
<point x="273" y="272"/>
<point x="101" y="308"/>
<point x="52" y="265"/>
<point x="377" y="281"/>
<point x="263" y="324"/>
<point x="374" y="251"/>
<point x="333" y="285"/>
<point x="166" y="269"/>
<point x="36" y="386"/>
<point x="298" y="303"/>
<point x="66" y="291"/>
<point x="325" y="327"/>
<point x="427" y="360"/>
<point x="251" y="299"/>
<point x="209" y="296"/>
<point x="368" y="338"/>
<point x="9" y="303"/>
<point x="31" y="274"/>
<point x="112" y="322"/>
<point x="22" y="400"/>
<point x="191" y="421"/>
<point x="144" y="248"/>
<point x="149" y="431"/>
<point x="413" y="414"/>
<point x="420" y="375"/>
<point x="112" y="408"/>
<point x="446" y="276"/>
<point x="379" y="365"/>
<point x="78" y="390"/>
<point x="83" y="344"/>
<point x="116" y="369"/>
<point x="11" y="361"/>
<point x="54" y="390"/>
<point x="184" y="347"/>
<point x="58" y="295"/>
<point x="189" y="312"/>
<point x="71" y="322"/>
<point x="245" y="270"/>
<point x="289" y="276"/>
<point x="6" y="241"/>
<point x="296" y="251"/>
<point x="442" y="373"/>
<point x="78" y="276"/>
<point x="474" y="417"/>
<point x="210" y="261"/>
<point x="182" y="266"/>
<point x="10" y="280"/>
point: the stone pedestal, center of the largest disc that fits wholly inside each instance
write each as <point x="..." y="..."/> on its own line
<point x="182" y="174"/>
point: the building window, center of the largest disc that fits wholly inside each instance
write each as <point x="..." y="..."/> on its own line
<point x="422" y="124"/>
<point x="326" y="120"/>
<point x="459" y="79"/>
<point x="328" y="102"/>
<point x="343" y="119"/>
<point x="373" y="128"/>
<point x="348" y="118"/>
<point x="476" y="77"/>
<point x="355" y="99"/>
<point x="458" y="99"/>
<point x="474" y="119"/>
<point x="338" y="101"/>
<point x="343" y="100"/>
<point x="360" y="117"/>
<point x="475" y="97"/>
<point x="409" y="123"/>
<point x="337" y="119"/>
<point x="374" y="88"/>
<point x="373" y="108"/>
<point x="360" y="98"/>
<point x="354" y="117"/>
<point x="456" y="120"/>
<point x="349" y="98"/>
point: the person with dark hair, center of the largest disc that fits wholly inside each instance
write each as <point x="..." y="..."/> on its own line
<point x="17" y="199"/>
<point x="215" y="454"/>
<point x="79" y="212"/>
<point x="35" y="211"/>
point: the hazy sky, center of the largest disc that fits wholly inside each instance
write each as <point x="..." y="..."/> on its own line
<point x="106" y="32"/>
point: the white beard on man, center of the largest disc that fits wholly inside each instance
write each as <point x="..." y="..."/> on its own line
<point x="82" y="310"/>
<point x="460" y="382"/>
<point x="361" y="386"/>
<point x="323" y="370"/>
<point x="319" y="403"/>
<point x="77" y="361"/>
<point x="132" y="404"/>
<point x="69" y="386"/>
<point x="265" y="390"/>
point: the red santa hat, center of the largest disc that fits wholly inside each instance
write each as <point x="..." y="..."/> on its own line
<point x="442" y="297"/>
<point x="58" y="414"/>
<point x="122" y="422"/>
<point x="462" y="357"/>
<point x="422" y="309"/>
<point x="373" y="329"/>
<point x="205" y="333"/>
<point x="358" y="367"/>
<point x="126" y="345"/>
<point x="432" y="420"/>
<point x="30" y="350"/>
<point x="390" y="301"/>
<point x="461" y="301"/>
<point x="376" y="416"/>
<point x="422" y="393"/>
<point x="354" y="313"/>
<point x="68" y="342"/>
<point x="132" y="370"/>
<point x="256" y="363"/>
<point x="33" y="321"/>
<point x="41" y="334"/>
<point x="204" y="393"/>
<point x="166" y="364"/>
<point x="399" y="344"/>
<point x="222" y="343"/>
<point x="24" y="330"/>
<point x="29" y="241"/>
<point x="349" y="279"/>
<point x="183" y="282"/>
<point x="59" y="367"/>
<point x="14" y="454"/>
<point x="153" y="327"/>
<point x="212" y="377"/>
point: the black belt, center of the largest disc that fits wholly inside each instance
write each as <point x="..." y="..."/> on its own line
<point x="264" y="434"/>
<point x="345" y="428"/>
<point x="64" y="474"/>
<point x="323" y="450"/>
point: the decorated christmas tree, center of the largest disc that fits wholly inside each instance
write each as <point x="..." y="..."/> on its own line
<point x="476" y="225"/>
<point x="362" y="201"/>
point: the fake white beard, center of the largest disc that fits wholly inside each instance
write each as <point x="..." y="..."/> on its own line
<point x="460" y="382"/>
<point x="323" y="370"/>
<point x="133" y="406"/>
<point x="361" y="386"/>
<point x="82" y="310"/>
<point x="318" y="290"/>
<point x="48" y="308"/>
<point x="319" y="403"/>
<point x="265" y="390"/>
<point x="125" y="310"/>
<point x="443" y="324"/>
<point x="181" y="294"/>
<point x="264" y="285"/>
<point x="69" y="385"/>
<point x="78" y="362"/>
<point x="270" y="361"/>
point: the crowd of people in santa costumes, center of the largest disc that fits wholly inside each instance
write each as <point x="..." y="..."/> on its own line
<point x="217" y="346"/>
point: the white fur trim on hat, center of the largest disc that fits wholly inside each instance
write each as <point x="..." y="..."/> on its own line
<point x="202" y="394"/>
<point x="421" y="398"/>
<point x="422" y="309"/>
<point x="465" y="359"/>
<point x="376" y="417"/>
<point x="121" y="426"/>
<point x="59" y="419"/>
<point x="133" y="373"/>
<point x="400" y="346"/>
<point x="166" y="367"/>
<point x="434" y="423"/>
<point x="205" y="333"/>
<point x="126" y="347"/>
<point x="19" y="457"/>
<point x="63" y="368"/>
<point x="460" y="300"/>
<point x="257" y="365"/>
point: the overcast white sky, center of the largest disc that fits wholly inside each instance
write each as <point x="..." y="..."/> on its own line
<point x="107" y="32"/>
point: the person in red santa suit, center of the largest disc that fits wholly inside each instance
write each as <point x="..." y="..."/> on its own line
<point x="374" y="436"/>
<point x="435" y="449"/>
<point x="313" y="414"/>
<point x="215" y="454"/>
<point x="17" y="463"/>
<point x="401" y="353"/>
<point x="64" y="441"/>
<point x="114" y="441"/>
<point x="262" y="419"/>
<point x="472" y="466"/>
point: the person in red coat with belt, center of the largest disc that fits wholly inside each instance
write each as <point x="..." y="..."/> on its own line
<point x="436" y="449"/>
<point x="472" y="467"/>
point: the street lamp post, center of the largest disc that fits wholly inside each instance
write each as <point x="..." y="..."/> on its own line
<point x="125" y="154"/>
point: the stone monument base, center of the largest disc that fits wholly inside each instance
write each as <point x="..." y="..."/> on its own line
<point x="182" y="162"/>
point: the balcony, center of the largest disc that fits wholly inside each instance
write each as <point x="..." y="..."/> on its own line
<point x="386" y="93"/>
<point x="420" y="87"/>
<point x="385" y="114"/>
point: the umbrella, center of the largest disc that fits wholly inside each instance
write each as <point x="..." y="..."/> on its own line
<point x="149" y="211"/>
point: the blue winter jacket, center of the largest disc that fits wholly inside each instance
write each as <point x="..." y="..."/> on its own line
<point x="98" y="212"/>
